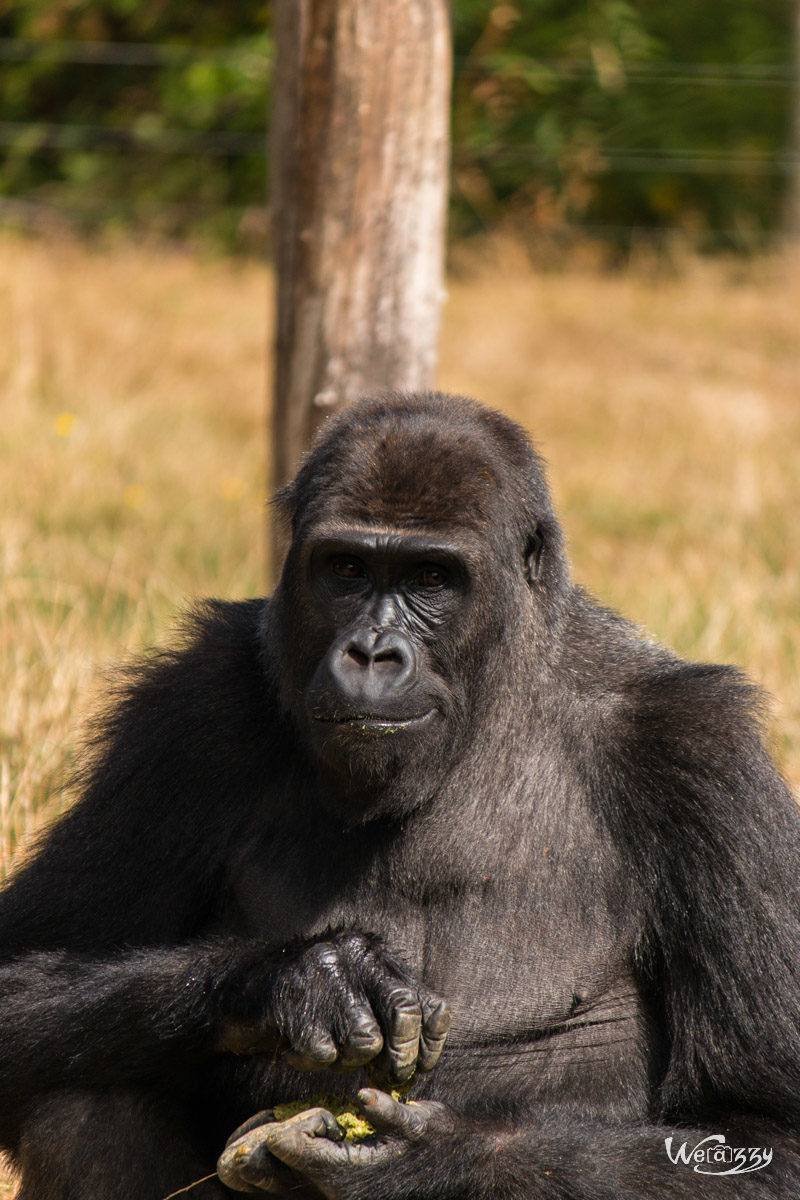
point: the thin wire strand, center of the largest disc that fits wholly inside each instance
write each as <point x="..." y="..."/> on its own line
<point x="34" y="138"/>
<point x="123" y="54"/>
<point x="160" y="54"/>
<point x="34" y="210"/>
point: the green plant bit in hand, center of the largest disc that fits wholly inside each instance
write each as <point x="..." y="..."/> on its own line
<point x="354" y="1126"/>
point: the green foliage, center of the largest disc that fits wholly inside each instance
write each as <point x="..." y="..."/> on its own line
<point x="602" y="113"/>
<point x="141" y="139"/>
<point x="606" y="114"/>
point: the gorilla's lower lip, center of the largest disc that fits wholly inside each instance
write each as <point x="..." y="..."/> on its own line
<point x="371" y="722"/>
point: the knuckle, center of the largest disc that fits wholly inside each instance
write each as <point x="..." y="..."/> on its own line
<point x="361" y="1016"/>
<point x="430" y="1000"/>
<point x="404" y="999"/>
<point x="354" y="1054"/>
<point x="325" y="954"/>
<point x="365" y="1037"/>
<point x="405" y="1031"/>
<point x="406" y="1025"/>
<point x="352" y="943"/>
<point x="312" y="1054"/>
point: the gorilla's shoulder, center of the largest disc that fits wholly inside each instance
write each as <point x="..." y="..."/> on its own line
<point x="698" y="725"/>
<point x="208" y="680"/>
<point x="652" y="705"/>
<point x="227" y="624"/>
<point x="213" y="640"/>
<point x="705" y="695"/>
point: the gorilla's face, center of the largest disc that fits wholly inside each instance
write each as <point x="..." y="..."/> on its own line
<point x="388" y="602"/>
<point x="380" y="692"/>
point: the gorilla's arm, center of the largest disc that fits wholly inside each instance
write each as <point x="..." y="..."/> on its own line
<point x="69" y="1021"/>
<point x="711" y="835"/>
<point x="105" y="974"/>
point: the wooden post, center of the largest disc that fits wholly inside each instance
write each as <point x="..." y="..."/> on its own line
<point x="360" y="154"/>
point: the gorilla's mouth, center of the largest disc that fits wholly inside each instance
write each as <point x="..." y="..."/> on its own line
<point x="373" y="723"/>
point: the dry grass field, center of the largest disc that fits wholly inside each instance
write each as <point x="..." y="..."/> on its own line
<point x="132" y="452"/>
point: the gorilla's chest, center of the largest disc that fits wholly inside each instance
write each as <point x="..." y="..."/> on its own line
<point x="535" y="968"/>
<point x="510" y="957"/>
<point x="537" y="978"/>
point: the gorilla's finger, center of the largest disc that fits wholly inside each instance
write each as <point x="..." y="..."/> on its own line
<point x="246" y="1164"/>
<point x="312" y="1050"/>
<point x="402" y="1020"/>
<point x="305" y="1140"/>
<point x="355" y="1028"/>
<point x="402" y="1041"/>
<point x="389" y="1115"/>
<point x="364" y="1039"/>
<point x="435" y="1028"/>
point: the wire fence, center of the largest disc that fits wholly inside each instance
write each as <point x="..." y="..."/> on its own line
<point x="45" y="216"/>
<point x="35" y="137"/>
<point x="148" y="136"/>
<point x="124" y="54"/>
<point x="152" y="54"/>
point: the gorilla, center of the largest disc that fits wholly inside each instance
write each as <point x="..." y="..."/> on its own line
<point x="430" y="792"/>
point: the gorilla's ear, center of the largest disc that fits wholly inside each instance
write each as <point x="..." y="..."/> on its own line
<point x="533" y="556"/>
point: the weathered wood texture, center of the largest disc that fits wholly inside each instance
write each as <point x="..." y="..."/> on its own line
<point x="360" y="163"/>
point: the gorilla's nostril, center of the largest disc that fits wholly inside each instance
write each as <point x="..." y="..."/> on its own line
<point x="358" y="656"/>
<point x="388" y="656"/>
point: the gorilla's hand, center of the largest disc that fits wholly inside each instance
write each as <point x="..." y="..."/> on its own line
<point x="268" y="1156"/>
<point x="336" y="1003"/>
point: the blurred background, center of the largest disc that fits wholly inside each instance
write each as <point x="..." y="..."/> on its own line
<point x="623" y="269"/>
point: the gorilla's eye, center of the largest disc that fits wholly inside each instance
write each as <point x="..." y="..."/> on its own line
<point x="431" y="577"/>
<point x="346" y="567"/>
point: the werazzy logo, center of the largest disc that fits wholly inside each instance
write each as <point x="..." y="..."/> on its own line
<point x="712" y="1156"/>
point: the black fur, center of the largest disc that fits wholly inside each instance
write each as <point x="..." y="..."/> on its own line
<point x="291" y="831"/>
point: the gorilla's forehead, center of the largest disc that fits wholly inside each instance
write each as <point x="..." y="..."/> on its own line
<point x="410" y="481"/>
<point x="456" y="545"/>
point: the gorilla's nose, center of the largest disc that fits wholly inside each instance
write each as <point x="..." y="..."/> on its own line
<point x="371" y="665"/>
